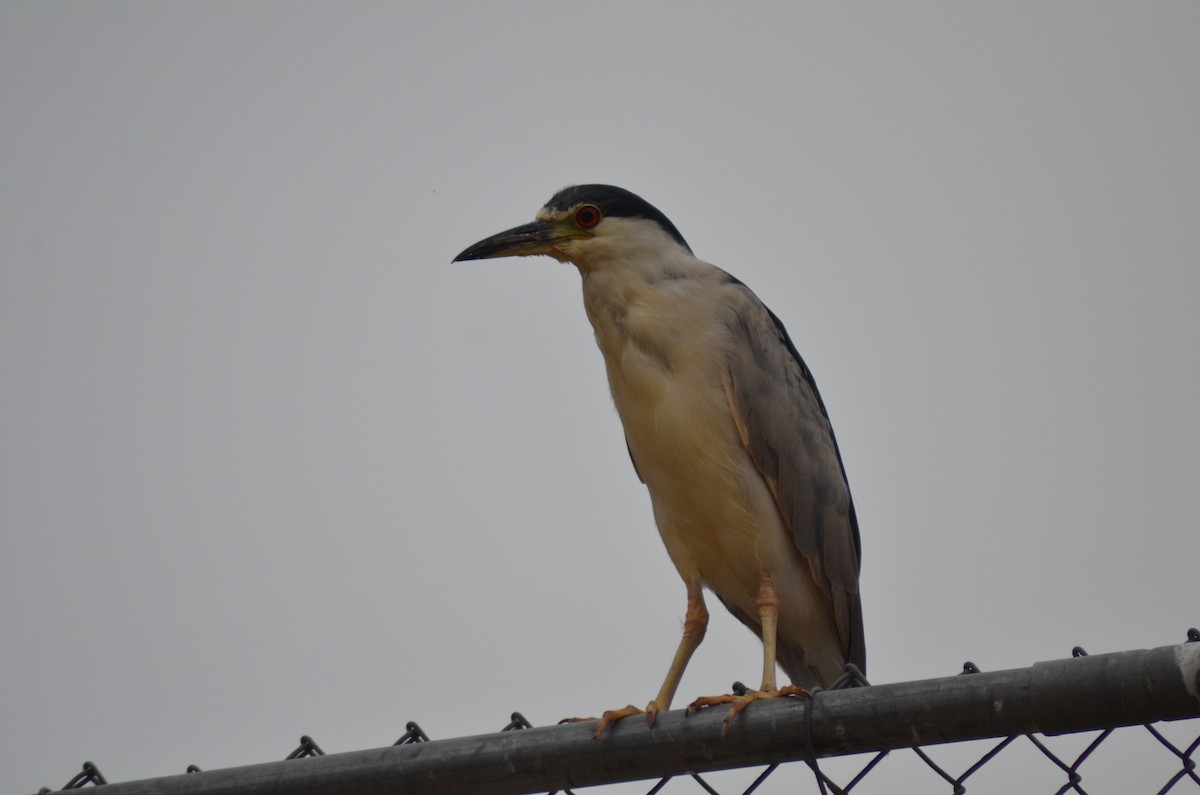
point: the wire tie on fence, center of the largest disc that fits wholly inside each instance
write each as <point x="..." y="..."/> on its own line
<point x="857" y="677"/>
<point x="307" y="748"/>
<point x="1078" y="651"/>
<point x="412" y="735"/>
<point x="969" y="668"/>
<point x="517" y="723"/>
<point x="851" y="677"/>
<point x="90" y="774"/>
<point x="810" y="750"/>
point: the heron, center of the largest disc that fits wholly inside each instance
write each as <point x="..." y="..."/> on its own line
<point x="726" y="429"/>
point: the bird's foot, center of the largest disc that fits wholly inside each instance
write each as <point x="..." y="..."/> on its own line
<point x="741" y="698"/>
<point x="613" y="715"/>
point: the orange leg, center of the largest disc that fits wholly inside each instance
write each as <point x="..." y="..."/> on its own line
<point x="695" y="623"/>
<point x="768" y="614"/>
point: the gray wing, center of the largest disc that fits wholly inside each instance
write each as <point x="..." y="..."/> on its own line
<point x="784" y="426"/>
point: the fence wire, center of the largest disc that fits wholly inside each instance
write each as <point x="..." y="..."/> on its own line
<point x="1125" y="722"/>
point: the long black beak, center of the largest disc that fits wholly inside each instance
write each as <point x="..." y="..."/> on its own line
<point x="520" y="241"/>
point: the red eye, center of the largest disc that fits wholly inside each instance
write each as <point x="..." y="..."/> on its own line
<point x="588" y="216"/>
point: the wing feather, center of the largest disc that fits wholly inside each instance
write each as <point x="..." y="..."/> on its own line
<point x="784" y="425"/>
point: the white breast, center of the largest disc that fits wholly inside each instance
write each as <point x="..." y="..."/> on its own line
<point x="664" y="344"/>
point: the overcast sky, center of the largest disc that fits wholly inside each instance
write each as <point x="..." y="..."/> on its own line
<point x="271" y="465"/>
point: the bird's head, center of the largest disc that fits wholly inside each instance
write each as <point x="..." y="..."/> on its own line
<point x="586" y="224"/>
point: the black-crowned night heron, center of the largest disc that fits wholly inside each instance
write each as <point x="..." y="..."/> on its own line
<point x="726" y="429"/>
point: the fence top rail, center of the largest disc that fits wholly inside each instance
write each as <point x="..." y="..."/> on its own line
<point x="1055" y="697"/>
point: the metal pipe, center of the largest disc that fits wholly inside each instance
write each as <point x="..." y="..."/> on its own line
<point x="1060" y="696"/>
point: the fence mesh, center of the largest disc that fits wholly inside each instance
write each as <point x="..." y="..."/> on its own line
<point x="1120" y="723"/>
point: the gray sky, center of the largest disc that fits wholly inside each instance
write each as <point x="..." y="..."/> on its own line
<point x="270" y="465"/>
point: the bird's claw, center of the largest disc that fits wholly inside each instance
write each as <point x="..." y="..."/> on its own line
<point x="613" y="715"/>
<point x="741" y="698"/>
<point x="576" y="720"/>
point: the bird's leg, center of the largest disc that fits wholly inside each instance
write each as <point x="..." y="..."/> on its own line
<point x="695" y="623"/>
<point x="768" y="615"/>
<point x="768" y="611"/>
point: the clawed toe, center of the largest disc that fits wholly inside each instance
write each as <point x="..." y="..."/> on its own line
<point x="612" y="716"/>
<point x="742" y="699"/>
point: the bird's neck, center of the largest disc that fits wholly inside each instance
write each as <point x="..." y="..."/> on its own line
<point x="615" y="288"/>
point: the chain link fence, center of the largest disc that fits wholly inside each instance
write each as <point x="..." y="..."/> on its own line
<point x="1126" y="722"/>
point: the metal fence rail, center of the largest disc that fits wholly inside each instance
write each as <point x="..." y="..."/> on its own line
<point x="1083" y="693"/>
